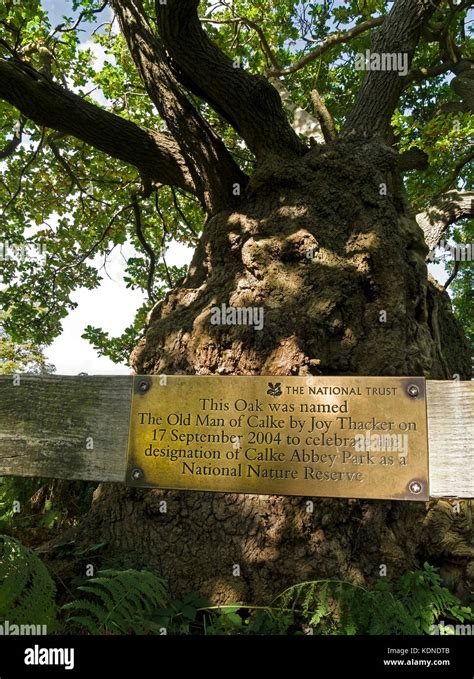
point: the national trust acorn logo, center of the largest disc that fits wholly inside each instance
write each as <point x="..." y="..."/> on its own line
<point x="274" y="389"/>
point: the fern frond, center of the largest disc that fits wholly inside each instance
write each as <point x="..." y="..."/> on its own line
<point x="119" y="602"/>
<point x="27" y="591"/>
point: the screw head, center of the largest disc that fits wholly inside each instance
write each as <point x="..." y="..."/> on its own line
<point x="415" y="487"/>
<point x="144" y="386"/>
<point x="136" y="474"/>
<point x="413" y="390"/>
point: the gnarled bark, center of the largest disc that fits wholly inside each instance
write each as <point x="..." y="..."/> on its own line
<point x="155" y="154"/>
<point x="325" y="242"/>
<point x="381" y="90"/>
<point x="317" y="245"/>
<point x="445" y="210"/>
<point x="249" y="102"/>
<point x="211" y="166"/>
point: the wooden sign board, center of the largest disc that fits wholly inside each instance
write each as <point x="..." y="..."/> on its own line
<point x="351" y="437"/>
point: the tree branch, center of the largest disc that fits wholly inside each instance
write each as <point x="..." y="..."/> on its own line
<point x="423" y="73"/>
<point x="144" y="243"/>
<point x="458" y="168"/>
<point x="212" y="168"/>
<point x="453" y="275"/>
<point x="182" y="215"/>
<point x="248" y="102"/>
<point x="381" y="89"/>
<point x="62" y="28"/>
<point x="413" y="159"/>
<point x="23" y="171"/>
<point x="37" y="97"/>
<point x="63" y="162"/>
<point x="463" y="85"/>
<point x="325" y="118"/>
<point x="445" y="210"/>
<point x="242" y="20"/>
<point x="10" y="148"/>
<point x="163" y="239"/>
<point x="101" y="239"/>
<point x="331" y="40"/>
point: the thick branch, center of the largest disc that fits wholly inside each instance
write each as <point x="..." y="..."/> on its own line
<point x="213" y="170"/>
<point x="333" y="39"/>
<point x="47" y="104"/>
<point x="248" y="102"/>
<point x="445" y="210"/>
<point x="413" y="159"/>
<point x="463" y="85"/>
<point x="381" y="89"/>
<point x="424" y="73"/>
<point x="325" y="118"/>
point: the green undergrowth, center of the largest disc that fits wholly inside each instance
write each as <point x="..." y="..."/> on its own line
<point x="138" y="602"/>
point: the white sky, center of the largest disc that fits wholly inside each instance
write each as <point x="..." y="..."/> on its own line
<point x="111" y="306"/>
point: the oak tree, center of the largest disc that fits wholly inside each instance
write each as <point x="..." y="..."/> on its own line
<point x="308" y="187"/>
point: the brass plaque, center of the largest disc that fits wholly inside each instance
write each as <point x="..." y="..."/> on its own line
<point x="352" y="437"/>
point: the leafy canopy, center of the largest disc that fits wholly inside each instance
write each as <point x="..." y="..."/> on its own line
<point x="58" y="193"/>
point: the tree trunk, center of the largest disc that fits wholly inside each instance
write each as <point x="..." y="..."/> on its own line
<point x="325" y="243"/>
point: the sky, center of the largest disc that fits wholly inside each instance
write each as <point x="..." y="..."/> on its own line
<point x="111" y="306"/>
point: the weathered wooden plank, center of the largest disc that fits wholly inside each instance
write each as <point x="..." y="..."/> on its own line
<point x="451" y="441"/>
<point x="48" y="424"/>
